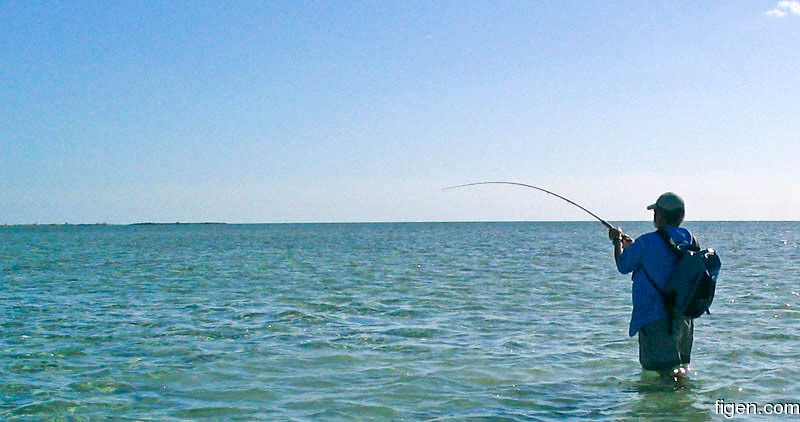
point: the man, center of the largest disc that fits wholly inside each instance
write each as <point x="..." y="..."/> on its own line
<point x="664" y="346"/>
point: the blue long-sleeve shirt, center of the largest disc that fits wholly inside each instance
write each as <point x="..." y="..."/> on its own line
<point x="649" y="255"/>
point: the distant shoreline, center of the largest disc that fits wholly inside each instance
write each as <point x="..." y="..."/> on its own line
<point x="168" y="224"/>
<point x="108" y="224"/>
<point x="209" y="223"/>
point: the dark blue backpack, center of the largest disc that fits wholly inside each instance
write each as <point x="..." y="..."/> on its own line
<point x="689" y="290"/>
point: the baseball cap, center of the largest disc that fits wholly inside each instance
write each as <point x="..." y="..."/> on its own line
<point x="668" y="202"/>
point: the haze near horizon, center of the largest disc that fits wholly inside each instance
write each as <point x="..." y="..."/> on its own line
<point x="363" y="111"/>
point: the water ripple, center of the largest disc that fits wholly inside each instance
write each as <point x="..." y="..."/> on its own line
<point x="462" y="321"/>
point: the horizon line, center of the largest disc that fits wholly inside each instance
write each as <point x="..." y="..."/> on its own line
<point x="153" y="223"/>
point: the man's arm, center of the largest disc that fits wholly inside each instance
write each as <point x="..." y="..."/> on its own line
<point x="619" y="240"/>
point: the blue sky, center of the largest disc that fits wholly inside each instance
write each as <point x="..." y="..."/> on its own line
<point x="362" y="111"/>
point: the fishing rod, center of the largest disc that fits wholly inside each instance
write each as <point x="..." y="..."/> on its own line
<point x="605" y="223"/>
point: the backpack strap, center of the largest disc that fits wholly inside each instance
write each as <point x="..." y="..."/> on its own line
<point x="652" y="283"/>
<point x="667" y="299"/>
<point x="693" y="246"/>
<point x="669" y="242"/>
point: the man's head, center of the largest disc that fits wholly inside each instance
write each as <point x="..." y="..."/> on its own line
<point x="668" y="210"/>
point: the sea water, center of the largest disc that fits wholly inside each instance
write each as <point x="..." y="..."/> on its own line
<point x="413" y="321"/>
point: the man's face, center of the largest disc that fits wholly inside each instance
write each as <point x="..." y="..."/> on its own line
<point x="657" y="219"/>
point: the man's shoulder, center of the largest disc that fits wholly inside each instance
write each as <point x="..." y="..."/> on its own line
<point x="647" y="237"/>
<point x="683" y="235"/>
<point x="678" y="234"/>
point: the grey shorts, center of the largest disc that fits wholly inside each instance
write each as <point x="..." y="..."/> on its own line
<point x="661" y="351"/>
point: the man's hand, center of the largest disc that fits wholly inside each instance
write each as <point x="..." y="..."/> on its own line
<point x="615" y="234"/>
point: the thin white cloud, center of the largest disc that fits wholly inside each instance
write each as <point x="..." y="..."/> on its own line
<point x="793" y="5"/>
<point x="785" y="7"/>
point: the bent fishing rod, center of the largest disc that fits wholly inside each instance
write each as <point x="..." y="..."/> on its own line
<point x="605" y="223"/>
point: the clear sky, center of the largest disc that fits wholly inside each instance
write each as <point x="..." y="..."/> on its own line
<point x="294" y="111"/>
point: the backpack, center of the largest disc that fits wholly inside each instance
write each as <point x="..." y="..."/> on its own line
<point x="689" y="290"/>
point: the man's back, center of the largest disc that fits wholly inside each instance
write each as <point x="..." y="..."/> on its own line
<point x="650" y="257"/>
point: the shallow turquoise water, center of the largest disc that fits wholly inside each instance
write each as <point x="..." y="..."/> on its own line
<point x="419" y="321"/>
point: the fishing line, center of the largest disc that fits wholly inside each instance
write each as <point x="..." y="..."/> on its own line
<point x="605" y="223"/>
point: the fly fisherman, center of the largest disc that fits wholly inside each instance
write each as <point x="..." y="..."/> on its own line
<point x="664" y="346"/>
